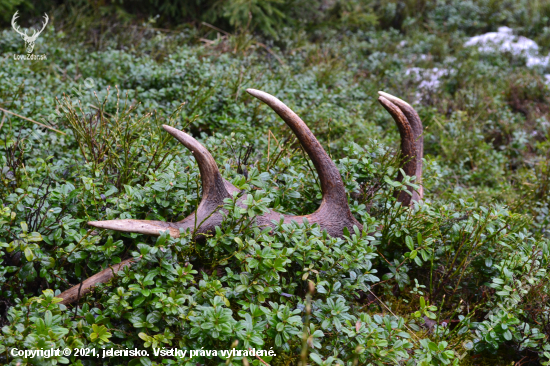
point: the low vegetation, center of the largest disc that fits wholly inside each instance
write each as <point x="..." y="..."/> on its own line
<point x="461" y="278"/>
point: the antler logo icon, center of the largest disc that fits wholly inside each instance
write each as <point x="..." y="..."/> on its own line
<point x="29" y="40"/>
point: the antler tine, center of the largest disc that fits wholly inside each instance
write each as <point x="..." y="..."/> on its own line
<point x="15" y="26"/>
<point x="410" y="140"/>
<point x="418" y="129"/>
<point x="71" y="295"/>
<point x="214" y="190"/>
<point x="331" y="182"/>
<point x="43" y="25"/>
<point x="213" y="186"/>
<point x="334" y="213"/>
<point x="147" y="227"/>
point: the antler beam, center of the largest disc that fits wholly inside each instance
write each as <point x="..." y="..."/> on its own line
<point x="75" y="292"/>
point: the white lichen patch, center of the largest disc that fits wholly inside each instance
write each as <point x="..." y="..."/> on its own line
<point x="504" y="40"/>
<point x="428" y="78"/>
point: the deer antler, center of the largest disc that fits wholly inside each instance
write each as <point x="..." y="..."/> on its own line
<point x="214" y="190"/>
<point x="15" y="26"/>
<point x="333" y="215"/>
<point x="412" y="142"/>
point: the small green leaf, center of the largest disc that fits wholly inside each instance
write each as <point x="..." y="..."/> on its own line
<point x="409" y="242"/>
<point x="29" y="254"/>
<point x="138" y="301"/>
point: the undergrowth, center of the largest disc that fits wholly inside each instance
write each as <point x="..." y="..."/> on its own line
<point x="461" y="278"/>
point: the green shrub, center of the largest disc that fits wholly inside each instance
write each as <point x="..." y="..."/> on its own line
<point x="463" y="274"/>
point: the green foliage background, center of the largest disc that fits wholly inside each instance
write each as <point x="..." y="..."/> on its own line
<point x="460" y="279"/>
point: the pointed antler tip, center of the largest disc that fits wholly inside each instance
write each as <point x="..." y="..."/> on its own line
<point x="180" y="135"/>
<point x="384" y="101"/>
<point x="259" y="94"/>
<point x="183" y="137"/>
<point x="392" y="98"/>
<point x="267" y="98"/>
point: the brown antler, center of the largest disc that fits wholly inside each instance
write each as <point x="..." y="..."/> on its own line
<point x="75" y="292"/>
<point x="333" y="215"/>
<point x="412" y="142"/>
<point x="207" y="216"/>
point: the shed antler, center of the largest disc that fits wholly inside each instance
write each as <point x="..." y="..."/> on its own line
<point x="207" y="216"/>
<point x="333" y="215"/>
<point x="412" y="142"/>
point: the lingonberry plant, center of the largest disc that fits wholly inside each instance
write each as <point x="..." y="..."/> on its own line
<point x="315" y="240"/>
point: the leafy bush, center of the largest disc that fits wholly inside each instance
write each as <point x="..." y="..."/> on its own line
<point x="461" y="278"/>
